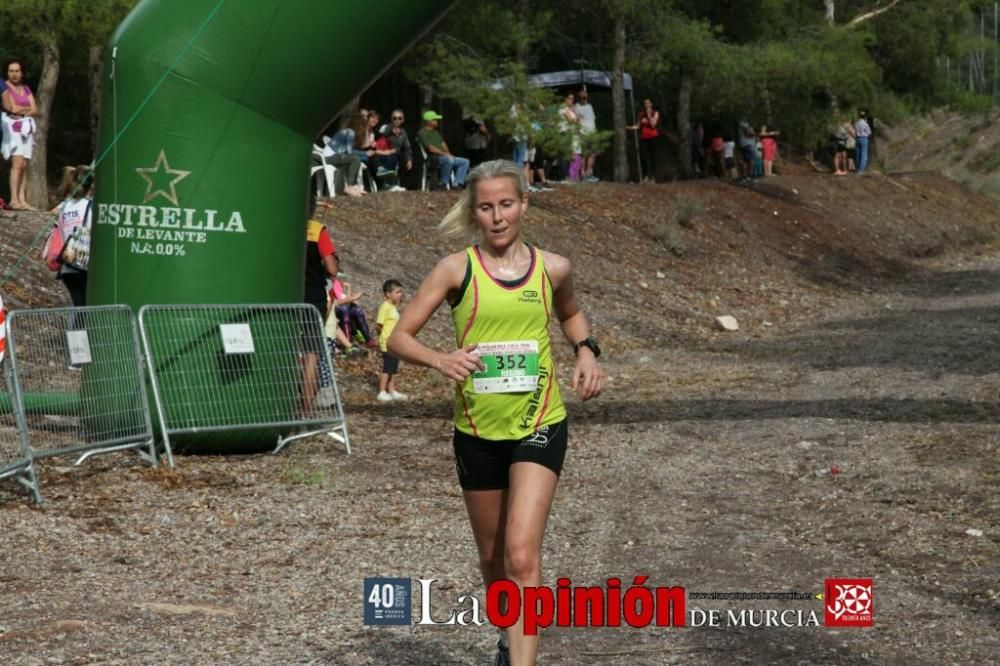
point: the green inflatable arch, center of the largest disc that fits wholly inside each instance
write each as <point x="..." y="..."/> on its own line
<point x="209" y="109"/>
<point x="202" y="197"/>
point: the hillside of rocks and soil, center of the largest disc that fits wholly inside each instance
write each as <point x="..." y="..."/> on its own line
<point x="965" y="148"/>
<point x="849" y="428"/>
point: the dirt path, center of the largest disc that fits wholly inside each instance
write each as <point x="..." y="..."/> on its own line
<point x="729" y="486"/>
<point x="862" y="445"/>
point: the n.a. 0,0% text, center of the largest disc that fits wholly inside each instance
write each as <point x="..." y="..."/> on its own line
<point x="161" y="249"/>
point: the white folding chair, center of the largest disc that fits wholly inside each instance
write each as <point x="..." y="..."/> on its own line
<point x="329" y="173"/>
<point x="363" y="172"/>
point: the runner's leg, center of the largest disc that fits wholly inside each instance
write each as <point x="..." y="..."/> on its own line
<point x="532" y="487"/>
<point x="487" y="511"/>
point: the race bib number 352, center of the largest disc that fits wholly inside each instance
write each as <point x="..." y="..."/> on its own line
<point x="511" y="367"/>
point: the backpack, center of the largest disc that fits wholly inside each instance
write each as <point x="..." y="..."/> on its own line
<point x="53" y="249"/>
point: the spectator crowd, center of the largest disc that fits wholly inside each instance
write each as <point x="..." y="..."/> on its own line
<point x="368" y="155"/>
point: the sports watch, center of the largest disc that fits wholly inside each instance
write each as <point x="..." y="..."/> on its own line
<point x="589" y="343"/>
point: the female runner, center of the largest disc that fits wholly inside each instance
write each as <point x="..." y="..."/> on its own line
<point x="510" y="421"/>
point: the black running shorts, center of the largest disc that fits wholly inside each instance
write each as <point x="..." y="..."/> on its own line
<point x="484" y="464"/>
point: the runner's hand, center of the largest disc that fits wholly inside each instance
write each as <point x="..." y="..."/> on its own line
<point x="461" y="363"/>
<point x="588" y="378"/>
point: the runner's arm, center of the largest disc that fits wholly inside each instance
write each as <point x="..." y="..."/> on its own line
<point x="446" y="277"/>
<point x="588" y="378"/>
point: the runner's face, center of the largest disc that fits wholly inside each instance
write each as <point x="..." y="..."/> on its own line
<point x="498" y="211"/>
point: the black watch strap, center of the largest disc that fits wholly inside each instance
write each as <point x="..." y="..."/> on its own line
<point x="589" y="343"/>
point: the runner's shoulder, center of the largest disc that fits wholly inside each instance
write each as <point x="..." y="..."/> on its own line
<point x="451" y="269"/>
<point x="557" y="266"/>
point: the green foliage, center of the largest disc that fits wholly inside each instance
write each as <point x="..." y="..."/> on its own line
<point x="772" y="61"/>
<point x="75" y="25"/>
<point x="960" y="99"/>
<point x="597" y="142"/>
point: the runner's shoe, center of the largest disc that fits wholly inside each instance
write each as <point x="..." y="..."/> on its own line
<point x="401" y="397"/>
<point x="384" y="397"/>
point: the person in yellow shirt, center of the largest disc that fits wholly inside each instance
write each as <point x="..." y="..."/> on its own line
<point x="510" y="422"/>
<point x="388" y="316"/>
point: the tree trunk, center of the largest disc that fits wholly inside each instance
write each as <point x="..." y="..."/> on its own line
<point x="684" y="124"/>
<point x="867" y="16"/>
<point x="38" y="185"/>
<point x="765" y="93"/>
<point x="95" y="68"/>
<point x="618" y="101"/>
<point x="830" y="9"/>
<point x="524" y="47"/>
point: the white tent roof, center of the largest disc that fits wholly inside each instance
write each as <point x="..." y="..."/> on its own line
<point x="572" y="77"/>
<point x="592" y="77"/>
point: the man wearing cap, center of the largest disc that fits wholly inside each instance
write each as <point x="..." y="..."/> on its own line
<point x="432" y="141"/>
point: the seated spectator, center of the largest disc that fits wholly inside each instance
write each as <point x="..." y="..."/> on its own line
<point x="432" y="141"/>
<point x="396" y="135"/>
<point x="342" y="142"/>
<point x="336" y="152"/>
<point x="350" y="316"/>
<point x="380" y="161"/>
<point x="363" y="140"/>
<point x="385" y="157"/>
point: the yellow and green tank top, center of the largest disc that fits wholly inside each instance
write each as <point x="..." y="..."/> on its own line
<point x="510" y="322"/>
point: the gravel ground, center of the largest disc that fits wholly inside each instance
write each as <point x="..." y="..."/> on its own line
<point x="857" y="438"/>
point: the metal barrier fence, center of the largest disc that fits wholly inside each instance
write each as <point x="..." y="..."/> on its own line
<point x="242" y="368"/>
<point x="15" y="457"/>
<point x="77" y="382"/>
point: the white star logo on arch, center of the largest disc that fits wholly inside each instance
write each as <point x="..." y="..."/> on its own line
<point x="156" y="180"/>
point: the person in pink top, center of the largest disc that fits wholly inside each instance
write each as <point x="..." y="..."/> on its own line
<point x="769" y="145"/>
<point x="18" y="132"/>
<point x="350" y="316"/>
